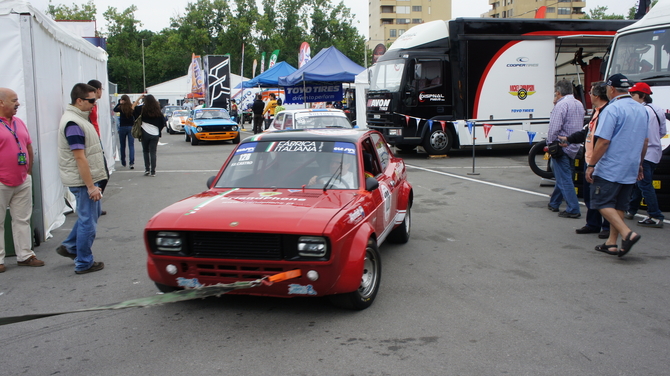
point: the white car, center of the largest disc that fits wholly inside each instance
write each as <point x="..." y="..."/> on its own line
<point x="176" y="121"/>
<point x="310" y="119"/>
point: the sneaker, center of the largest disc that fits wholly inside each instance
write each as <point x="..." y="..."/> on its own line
<point x="565" y="214"/>
<point x="132" y="167"/>
<point x="153" y="175"/>
<point x="650" y="222"/>
<point x="61" y="250"/>
<point x="31" y="261"/>
<point x="551" y="208"/>
<point x="2" y="268"/>
<point x="604" y="234"/>
<point x="146" y="173"/>
<point x="629" y="215"/>
<point x="94" y="268"/>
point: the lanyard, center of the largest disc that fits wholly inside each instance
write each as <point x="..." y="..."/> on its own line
<point x="13" y="134"/>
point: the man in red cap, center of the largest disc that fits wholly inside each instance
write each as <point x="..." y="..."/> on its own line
<point x="641" y="92"/>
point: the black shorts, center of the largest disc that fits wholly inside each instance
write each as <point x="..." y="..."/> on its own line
<point x="606" y="194"/>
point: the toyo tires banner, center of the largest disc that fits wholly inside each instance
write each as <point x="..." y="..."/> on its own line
<point x="315" y="93"/>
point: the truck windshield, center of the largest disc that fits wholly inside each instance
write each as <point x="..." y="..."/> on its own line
<point x="387" y="75"/>
<point x="643" y="56"/>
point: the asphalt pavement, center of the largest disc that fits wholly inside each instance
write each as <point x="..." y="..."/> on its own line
<point x="491" y="282"/>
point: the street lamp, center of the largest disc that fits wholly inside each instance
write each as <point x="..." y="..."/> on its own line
<point x="144" y="75"/>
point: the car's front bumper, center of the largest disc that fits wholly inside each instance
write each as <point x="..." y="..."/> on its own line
<point x="216" y="136"/>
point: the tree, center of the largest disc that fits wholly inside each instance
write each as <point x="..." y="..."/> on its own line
<point x="124" y="46"/>
<point x="598" y="13"/>
<point x="85" y="12"/>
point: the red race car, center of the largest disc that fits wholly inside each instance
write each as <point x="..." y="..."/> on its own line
<point x="317" y="201"/>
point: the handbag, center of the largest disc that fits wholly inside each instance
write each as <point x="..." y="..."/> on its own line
<point x="136" y="132"/>
<point x="555" y="150"/>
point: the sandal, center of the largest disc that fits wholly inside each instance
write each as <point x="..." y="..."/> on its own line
<point x="605" y="249"/>
<point x="627" y="243"/>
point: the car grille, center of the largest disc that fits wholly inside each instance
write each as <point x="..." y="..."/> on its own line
<point x="236" y="245"/>
<point x="216" y="128"/>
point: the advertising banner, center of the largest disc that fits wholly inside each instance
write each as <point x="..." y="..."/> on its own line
<point x="304" y="54"/>
<point x="217" y="68"/>
<point x="195" y="76"/>
<point x="273" y="58"/>
<point x="262" y="62"/>
<point x="315" y="93"/>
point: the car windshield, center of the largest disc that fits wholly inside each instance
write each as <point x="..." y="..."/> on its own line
<point x="211" y="114"/>
<point x="180" y="113"/>
<point x="292" y="165"/>
<point x="643" y="55"/>
<point x="387" y="75"/>
<point x="320" y="120"/>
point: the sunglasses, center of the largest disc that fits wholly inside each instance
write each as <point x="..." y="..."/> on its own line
<point x="90" y="100"/>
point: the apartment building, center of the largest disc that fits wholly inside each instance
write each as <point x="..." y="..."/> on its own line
<point x="389" y="19"/>
<point x="527" y="8"/>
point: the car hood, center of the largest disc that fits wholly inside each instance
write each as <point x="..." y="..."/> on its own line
<point x="206" y="122"/>
<point x="254" y="210"/>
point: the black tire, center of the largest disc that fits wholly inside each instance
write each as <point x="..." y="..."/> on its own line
<point x="537" y="163"/>
<point x="165" y="288"/>
<point x="169" y="129"/>
<point x="400" y="234"/>
<point x="194" y="141"/>
<point x="367" y="291"/>
<point x="187" y="138"/>
<point x="437" y="141"/>
<point x="663" y="167"/>
<point x="236" y="140"/>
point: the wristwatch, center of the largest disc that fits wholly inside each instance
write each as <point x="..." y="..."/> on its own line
<point x="590" y="165"/>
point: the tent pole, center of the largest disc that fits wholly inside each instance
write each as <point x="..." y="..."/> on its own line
<point x="304" y="94"/>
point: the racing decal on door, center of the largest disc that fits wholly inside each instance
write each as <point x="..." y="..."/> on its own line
<point x="522" y="91"/>
<point x="386" y="196"/>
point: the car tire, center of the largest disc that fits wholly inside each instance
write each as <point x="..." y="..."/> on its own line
<point x="169" y="129"/>
<point x="165" y="288"/>
<point x="187" y="138"/>
<point x="194" y="140"/>
<point x="537" y="163"/>
<point x="406" y="148"/>
<point x="438" y="142"/>
<point x="400" y="234"/>
<point x="236" y="140"/>
<point x="365" y="295"/>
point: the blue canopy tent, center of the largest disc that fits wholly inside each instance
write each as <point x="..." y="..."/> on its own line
<point x="329" y="65"/>
<point x="269" y="77"/>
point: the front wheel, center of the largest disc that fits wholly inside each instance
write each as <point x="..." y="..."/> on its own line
<point x="438" y="142"/>
<point x="236" y="140"/>
<point x="169" y="129"/>
<point x="194" y="140"/>
<point x="367" y="291"/>
<point x="539" y="162"/>
<point x="187" y="138"/>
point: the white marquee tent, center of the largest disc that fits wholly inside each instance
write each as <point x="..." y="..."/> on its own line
<point x="41" y="62"/>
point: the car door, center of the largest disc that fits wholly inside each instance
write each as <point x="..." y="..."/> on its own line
<point x="388" y="186"/>
<point x="380" y="196"/>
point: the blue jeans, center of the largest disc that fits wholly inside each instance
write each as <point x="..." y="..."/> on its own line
<point x="125" y="134"/>
<point x="593" y="217"/>
<point x="83" y="232"/>
<point x="563" y="168"/>
<point x="645" y="188"/>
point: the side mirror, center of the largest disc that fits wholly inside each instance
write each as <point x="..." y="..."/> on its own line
<point x="371" y="184"/>
<point x="210" y="182"/>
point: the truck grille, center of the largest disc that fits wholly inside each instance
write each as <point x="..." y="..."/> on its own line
<point x="236" y="245"/>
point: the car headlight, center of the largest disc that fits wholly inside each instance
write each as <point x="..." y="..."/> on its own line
<point x="234" y="128"/>
<point x="312" y="246"/>
<point x="169" y="241"/>
<point x="199" y="129"/>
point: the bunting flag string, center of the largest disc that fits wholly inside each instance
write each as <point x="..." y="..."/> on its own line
<point x="509" y="133"/>
<point x="531" y="136"/>
<point x="487" y="129"/>
<point x="470" y="125"/>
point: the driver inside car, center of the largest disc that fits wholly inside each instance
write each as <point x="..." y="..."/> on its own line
<point x="339" y="176"/>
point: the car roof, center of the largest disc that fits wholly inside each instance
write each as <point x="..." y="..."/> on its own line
<point x="327" y="134"/>
<point x="209" y="108"/>
<point x="307" y="111"/>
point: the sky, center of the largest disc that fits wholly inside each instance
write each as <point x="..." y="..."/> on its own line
<point x="155" y="14"/>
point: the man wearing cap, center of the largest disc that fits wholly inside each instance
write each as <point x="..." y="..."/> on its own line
<point x="616" y="163"/>
<point x="641" y="92"/>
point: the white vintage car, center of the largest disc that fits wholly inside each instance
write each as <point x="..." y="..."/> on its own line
<point x="176" y="121"/>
